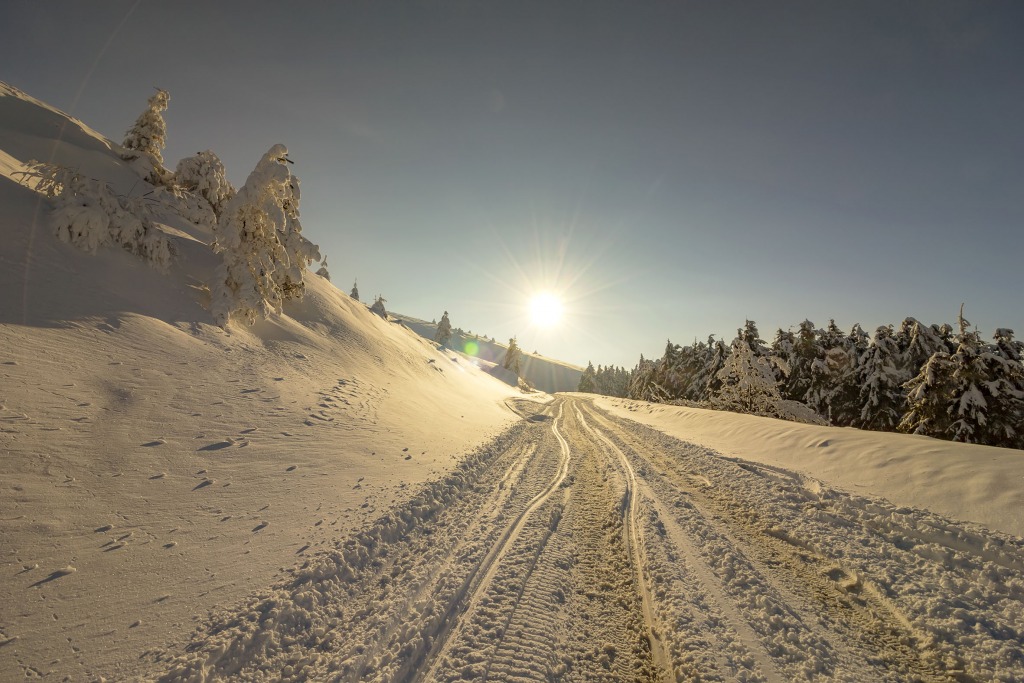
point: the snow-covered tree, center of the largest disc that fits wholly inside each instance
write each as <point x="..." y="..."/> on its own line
<point x="355" y="290"/>
<point x="205" y="176"/>
<point x="89" y="214"/>
<point x="144" y="142"/>
<point x="881" y="381"/>
<point x="834" y="391"/>
<point x="260" y="238"/>
<point x="587" y="380"/>
<point x="748" y="383"/>
<point x="378" y="307"/>
<point x="513" y="357"/>
<point x="322" y="270"/>
<point x="919" y="342"/>
<point x="444" y="330"/>
<point x="804" y="352"/>
<point x="968" y="395"/>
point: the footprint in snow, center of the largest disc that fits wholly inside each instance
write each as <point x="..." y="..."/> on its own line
<point x="154" y="442"/>
<point x="260" y="526"/>
<point x="217" y="446"/>
<point x="55" y="575"/>
<point x="203" y="484"/>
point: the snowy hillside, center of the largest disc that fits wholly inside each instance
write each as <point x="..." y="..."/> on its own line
<point x="544" y="374"/>
<point x="325" y="495"/>
<point x="170" y="465"/>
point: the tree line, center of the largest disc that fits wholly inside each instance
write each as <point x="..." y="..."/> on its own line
<point x="934" y="380"/>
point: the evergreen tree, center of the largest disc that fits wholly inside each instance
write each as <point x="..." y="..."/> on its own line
<point x="881" y="382"/>
<point x="513" y="357"/>
<point x="355" y="290"/>
<point x="587" y="380"/>
<point x="144" y="142"/>
<point x="259" y="237"/>
<point x="803" y="354"/>
<point x="204" y="175"/>
<point x="322" y="271"/>
<point x="444" y="330"/>
<point x="919" y="342"/>
<point x="784" y="347"/>
<point x="748" y="383"/>
<point x="88" y="214"/>
<point x="968" y="395"/>
<point x="378" y="307"/>
<point x="718" y="354"/>
<point x="642" y="386"/>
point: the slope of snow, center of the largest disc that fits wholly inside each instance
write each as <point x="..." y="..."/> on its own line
<point x="544" y="374"/>
<point x="155" y="466"/>
<point x="980" y="484"/>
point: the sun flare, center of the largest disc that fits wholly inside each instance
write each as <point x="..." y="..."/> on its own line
<point x="545" y="309"/>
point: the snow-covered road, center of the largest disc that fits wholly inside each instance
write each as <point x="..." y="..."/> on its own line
<point x="580" y="546"/>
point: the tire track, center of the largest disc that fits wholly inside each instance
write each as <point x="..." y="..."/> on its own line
<point x="484" y="574"/>
<point x="560" y="601"/>
<point x="634" y="543"/>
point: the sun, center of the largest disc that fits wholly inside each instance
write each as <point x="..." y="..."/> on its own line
<point x="545" y="309"/>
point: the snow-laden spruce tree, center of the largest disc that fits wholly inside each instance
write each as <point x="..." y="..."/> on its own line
<point x="378" y="307"/>
<point x="444" y="330"/>
<point x="881" y="383"/>
<point x="355" y="290"/>
<point x="204" y="175"/>
<point x="259" y="237"/>
<point x="588" y="383"/>
<point x="748" y="383"/>
<point x="144" y="142"/>
<point x="322" y="270"/>
<point x="513" y="357"/>
<point x="968" y="395"/>
<point x="88" y="214"/>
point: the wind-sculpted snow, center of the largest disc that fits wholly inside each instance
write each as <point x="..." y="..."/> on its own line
<point x="582" y="547"/>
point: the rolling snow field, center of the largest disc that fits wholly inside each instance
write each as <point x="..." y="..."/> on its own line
<point x="327" y="496"/>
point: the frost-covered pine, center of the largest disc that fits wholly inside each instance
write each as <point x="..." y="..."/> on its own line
<point x="444" y="330"/>
<point x="355" y="290"/>
<point x="88" y="214"/>
<point x="144" y="142"/>
<point x="322" y="270"/>
<point x="378" y="307"/>
<point x="969" y="395"/>
<point x="748" y="383"/>
<point x="513" y="357"/>
<point x="204" y="175"/>
<point x="881" y="381"/>
<point x="260" y="238"/>
<point x="800" y="356"/>
<point x="588" y="382"/>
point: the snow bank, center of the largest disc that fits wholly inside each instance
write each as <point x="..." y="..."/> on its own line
<point x="980" y="484"/>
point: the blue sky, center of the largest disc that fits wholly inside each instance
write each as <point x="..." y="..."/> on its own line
<point x="671" y="168"/>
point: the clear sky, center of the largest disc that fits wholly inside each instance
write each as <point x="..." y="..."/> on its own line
<point x="671" y="168"/>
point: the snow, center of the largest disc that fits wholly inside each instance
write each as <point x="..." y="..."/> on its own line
<point x="326" y="494"/>
<point x="172" y="465"/>
<point x="981" y="484"/>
